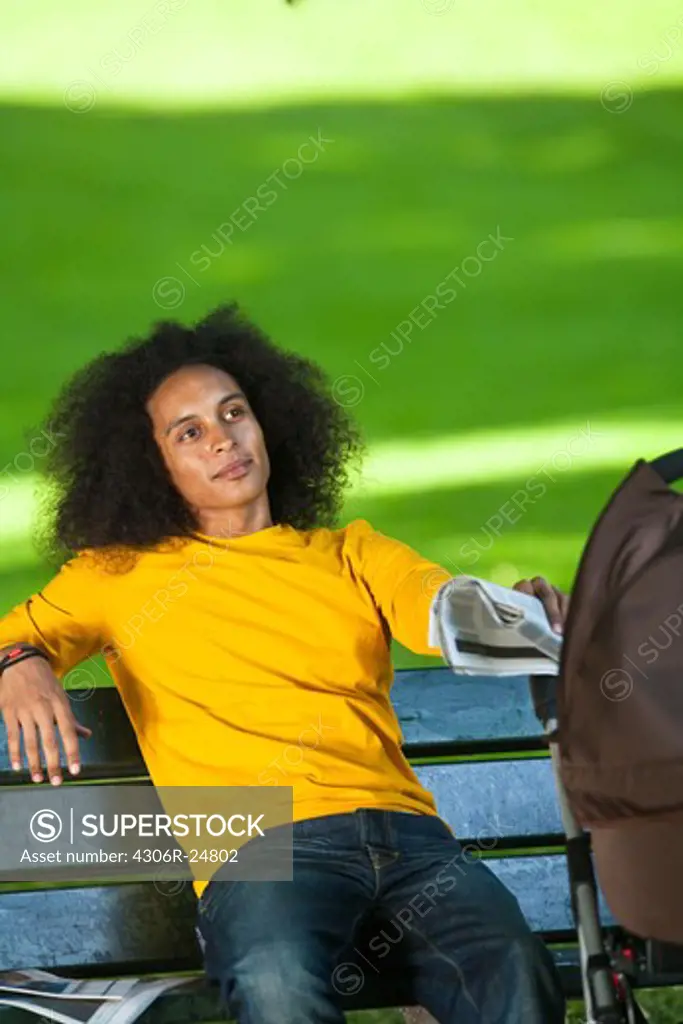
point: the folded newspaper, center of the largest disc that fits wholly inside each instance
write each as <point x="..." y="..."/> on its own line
<point x="482" y="628"/>
<point x="72" y="1001"/>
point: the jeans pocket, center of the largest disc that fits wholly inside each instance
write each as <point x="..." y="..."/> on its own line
<point x="311" y="842"/>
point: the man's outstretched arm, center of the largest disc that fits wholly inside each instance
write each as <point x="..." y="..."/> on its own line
<point x="63" y="623"/>
<point x="404" y="584"/>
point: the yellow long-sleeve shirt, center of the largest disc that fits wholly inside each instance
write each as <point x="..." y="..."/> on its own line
<point x="228" y="654"/>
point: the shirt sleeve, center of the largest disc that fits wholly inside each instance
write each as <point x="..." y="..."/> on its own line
<point x="403" y="584"/>
<point x="64" y="618"/>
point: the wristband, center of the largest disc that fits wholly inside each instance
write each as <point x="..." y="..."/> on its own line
<point x="20" y="652"/>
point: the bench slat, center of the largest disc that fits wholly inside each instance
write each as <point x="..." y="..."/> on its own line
<point x="510" y="800"/>
<point x="434" y="707"/>
<point x="492" y="805"/>
<point x="148" y="926"/>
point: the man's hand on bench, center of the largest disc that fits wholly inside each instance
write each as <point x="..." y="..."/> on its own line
<point x="32" y="699"/>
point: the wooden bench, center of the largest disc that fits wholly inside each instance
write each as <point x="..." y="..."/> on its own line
<point x="503" y="806"/>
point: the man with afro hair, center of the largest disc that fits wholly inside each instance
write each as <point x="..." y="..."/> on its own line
<point x="195" y="489"/>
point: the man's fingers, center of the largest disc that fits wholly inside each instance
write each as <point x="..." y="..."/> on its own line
<point x="43" y="726"/>
<point x="28" y="727"/>
<point x="48" y="736"/>
<point x="550" y="598"/>
<point x="33" y="701"/>
<point x="69" y="729"/>
<point x="13" y="741"/>
<point x="555" y="602"/>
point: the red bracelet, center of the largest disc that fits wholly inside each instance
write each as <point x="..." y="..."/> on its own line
<point x="20" y="652"/>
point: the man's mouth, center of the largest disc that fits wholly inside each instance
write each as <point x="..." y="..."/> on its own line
<point x="233" y="470"/>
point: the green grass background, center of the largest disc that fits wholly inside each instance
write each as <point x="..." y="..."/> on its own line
<point x="444" y="129"/>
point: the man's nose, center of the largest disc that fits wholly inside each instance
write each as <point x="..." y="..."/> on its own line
<point x="220" y="437"/>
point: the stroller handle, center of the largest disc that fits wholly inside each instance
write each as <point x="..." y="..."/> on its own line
<point x="669" y="466"/>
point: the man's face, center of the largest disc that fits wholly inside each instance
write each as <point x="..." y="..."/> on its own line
<point x="209" y="438"/>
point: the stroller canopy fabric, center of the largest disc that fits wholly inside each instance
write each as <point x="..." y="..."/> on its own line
<point x="620" y="702"/>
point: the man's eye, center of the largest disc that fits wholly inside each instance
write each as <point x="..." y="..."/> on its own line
<point x="189" y="433"/>
<point x="238" y="409"/>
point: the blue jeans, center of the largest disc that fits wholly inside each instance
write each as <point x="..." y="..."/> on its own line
<point x="280" y="949"/>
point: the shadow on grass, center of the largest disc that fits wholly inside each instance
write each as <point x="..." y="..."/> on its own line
<point x="104" y="213"/>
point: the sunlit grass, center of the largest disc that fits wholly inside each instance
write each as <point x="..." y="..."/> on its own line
<point x="548" y="451"/>
<point x="533" y="458"/>
<point x="175" y="53"/>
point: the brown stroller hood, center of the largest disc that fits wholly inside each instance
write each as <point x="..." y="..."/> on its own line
<point x="620" y="703"/>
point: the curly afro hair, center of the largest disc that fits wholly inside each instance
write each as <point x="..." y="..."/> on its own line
<point x="109" y="484"/>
